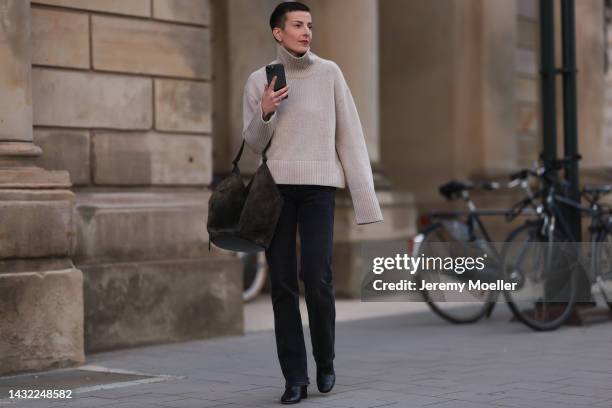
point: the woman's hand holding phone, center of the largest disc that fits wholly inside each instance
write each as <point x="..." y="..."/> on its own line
<point x="270" y="100"/>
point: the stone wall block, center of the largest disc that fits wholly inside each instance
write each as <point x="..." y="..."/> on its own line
<point x="129" y="7"/>
<point x="60" y="38"/>
<point x="186" y="11"/>
<point x="129" y="304"/>
<point x="36" y="223"/>
<point x="80" y="99"/>
<point x="183" y="106"/>
<point x="65" y="150"/>
<point x="151" y="159"/>
<point x="150" y="47"/>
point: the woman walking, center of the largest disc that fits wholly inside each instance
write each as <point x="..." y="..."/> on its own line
<point x="317" y="145"/>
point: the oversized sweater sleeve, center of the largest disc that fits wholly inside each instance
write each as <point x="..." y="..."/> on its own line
<point x="256" y="131"/>
<point x="353" y="154"/>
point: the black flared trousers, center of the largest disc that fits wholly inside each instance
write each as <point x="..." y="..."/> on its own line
<point x="309" y="209"/>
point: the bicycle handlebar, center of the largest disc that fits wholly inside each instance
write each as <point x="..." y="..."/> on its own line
<point x="542" y="171"/>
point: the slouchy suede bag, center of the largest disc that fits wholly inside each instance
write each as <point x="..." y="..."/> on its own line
<point x="243" y="218"/>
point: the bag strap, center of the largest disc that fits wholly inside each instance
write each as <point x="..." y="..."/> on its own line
<point x="239" y="154"/>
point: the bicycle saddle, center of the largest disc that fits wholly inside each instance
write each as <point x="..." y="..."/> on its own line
<point x="454" y="188"/>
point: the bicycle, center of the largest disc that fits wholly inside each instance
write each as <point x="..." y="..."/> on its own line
<point x="449" y="235"/>
<point x="255" y="274"/>
<point x="545" y="299"/>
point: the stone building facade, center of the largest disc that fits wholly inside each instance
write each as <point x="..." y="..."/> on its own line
<point x="115" y="115"/>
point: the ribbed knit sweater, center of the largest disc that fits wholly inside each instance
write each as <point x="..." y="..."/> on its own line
<point x="316" y="132"/>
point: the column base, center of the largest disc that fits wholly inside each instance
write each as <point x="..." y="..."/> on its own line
<point x="42" y="315"/>
<point x="350" y="240"/>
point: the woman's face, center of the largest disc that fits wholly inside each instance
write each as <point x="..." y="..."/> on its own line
<point x="297" y="34"/>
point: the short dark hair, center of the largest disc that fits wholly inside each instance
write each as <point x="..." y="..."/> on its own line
<point x="279" y="15"/>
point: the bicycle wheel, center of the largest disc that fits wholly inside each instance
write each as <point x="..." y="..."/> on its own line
<point x="543" y="298"/>
<point x="602" y="266"/>
<point x="255" y="271"/>
<point x="467" y="306"/>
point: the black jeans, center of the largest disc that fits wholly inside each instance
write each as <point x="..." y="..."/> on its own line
<point x="311" y="208"/>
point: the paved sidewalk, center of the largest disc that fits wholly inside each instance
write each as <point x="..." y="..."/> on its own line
<point x="258" y="313"/>
<point x="409" y="360"/>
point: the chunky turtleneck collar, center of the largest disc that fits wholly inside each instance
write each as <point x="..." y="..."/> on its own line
<point x="295" y="66"/>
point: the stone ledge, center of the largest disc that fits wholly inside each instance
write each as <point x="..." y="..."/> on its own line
<point x="34" y="265"/>
<point x="71" y="98"/>
<point x="124" y="227"/>
<point x="140" y="303"/>
<point x="19" y="149"/>
<point x="33" y="177"/>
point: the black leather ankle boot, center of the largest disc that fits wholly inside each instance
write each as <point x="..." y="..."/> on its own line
<point x="326" y="378"/>
<point x="294" y="394"/>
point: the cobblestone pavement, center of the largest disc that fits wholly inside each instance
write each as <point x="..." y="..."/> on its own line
<point x="409" y="360"/>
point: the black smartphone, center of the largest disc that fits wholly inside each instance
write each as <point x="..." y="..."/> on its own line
<point x="277" y="70"/>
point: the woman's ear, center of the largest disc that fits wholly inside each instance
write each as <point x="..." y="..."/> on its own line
<point x="276" y="34"/>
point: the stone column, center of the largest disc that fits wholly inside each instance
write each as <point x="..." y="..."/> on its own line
<point x="594" y="89"/>
<point x="496" y="117"/>
<point x="447" y="91"/>
<point x="447" y="94"/>
<point x="41" y="292"/>
<point x="355" y="50"/>
<point x="429" y="93"/>
<point x="348" y="34"/>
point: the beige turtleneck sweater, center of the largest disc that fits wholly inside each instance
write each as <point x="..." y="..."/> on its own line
<point x="316" y="132"/>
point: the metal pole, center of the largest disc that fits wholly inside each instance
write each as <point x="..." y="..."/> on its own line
<point x="570" y="136"/>
<point x="549" y="126"/>
<point x="570" y="116"/>
<point x="547" y="72"/>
